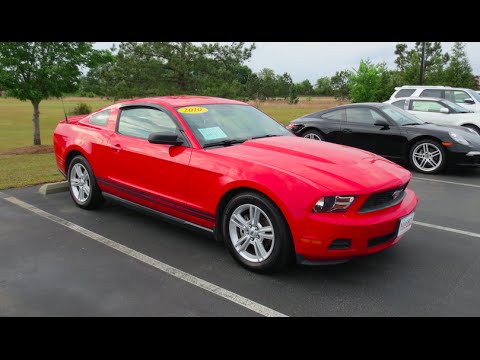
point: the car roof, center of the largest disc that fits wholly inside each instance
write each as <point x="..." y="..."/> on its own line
<point x="439" y="87"/>
<point x="183" y="100"/>
<point x="366" y="104"/>
<point x="418" y="98"/>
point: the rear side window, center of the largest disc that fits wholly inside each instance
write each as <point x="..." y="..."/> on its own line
<point x="141" y="122"/>
<point x="100" y="118"/>
<point x="362" y="115"/>
<point x="404" y="93"/>
<point x="457" y="96"/>
<point x="399" y="104"/>
<point x="338" y="115"/>
<point x="431" y="93"/>
<point x="427" y="106"/>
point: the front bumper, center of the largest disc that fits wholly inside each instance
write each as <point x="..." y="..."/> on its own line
<point x="367" y="233"/>
<point x="470" y="158"/>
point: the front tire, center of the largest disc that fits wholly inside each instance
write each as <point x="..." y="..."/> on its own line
<point x="82" y="184"/>
<point x="256" y="233"/>
<point x="428" y="157"/>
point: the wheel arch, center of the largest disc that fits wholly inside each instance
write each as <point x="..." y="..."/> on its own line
<point x="467" y="124"/>
<point x="71" y="153"/>
<point x="417" y="139"/>
<point x="311" y="127"/>
<point x="232" y="191"/>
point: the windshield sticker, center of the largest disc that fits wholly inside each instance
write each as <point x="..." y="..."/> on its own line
<point x="193" y="110"/>
<point x="212" y="133"/>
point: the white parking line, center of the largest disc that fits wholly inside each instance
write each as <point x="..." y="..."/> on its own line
<point x="217" y="290"/>
<point x="438" y="227"/>
<point x="446" y="182"/>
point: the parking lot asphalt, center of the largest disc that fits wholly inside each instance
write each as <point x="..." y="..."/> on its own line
<point x="49" y="269"/>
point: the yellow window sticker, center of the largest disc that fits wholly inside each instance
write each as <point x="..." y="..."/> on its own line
<point x="193" y="110"/>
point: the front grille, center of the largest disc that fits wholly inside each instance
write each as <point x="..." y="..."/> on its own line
<point x="381" y="240"/>
<point x="340" y="244"/>
<point x="382" y="200"/>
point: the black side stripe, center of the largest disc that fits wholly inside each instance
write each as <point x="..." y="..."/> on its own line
<point x="157" y="200"/>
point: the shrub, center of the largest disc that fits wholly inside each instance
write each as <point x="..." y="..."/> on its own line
<point x="81" y="109"/>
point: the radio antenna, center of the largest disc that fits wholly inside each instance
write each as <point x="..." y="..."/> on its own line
<point x="66" y="118"/>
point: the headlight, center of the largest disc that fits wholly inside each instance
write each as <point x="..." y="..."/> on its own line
<point x="333" y="204"/>
<point x="458" y="138"/>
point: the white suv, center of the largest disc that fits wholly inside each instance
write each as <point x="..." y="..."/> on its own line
<point x="467" y="98"/>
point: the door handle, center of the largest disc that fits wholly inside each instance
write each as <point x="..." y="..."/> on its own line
<point x="116" y="147"/>
<point x="347" y="130"/>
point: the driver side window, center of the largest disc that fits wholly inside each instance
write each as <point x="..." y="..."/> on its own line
<point x="141" y="122"/>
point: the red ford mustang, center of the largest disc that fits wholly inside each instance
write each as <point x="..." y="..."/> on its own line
<point x="224" y="167"/>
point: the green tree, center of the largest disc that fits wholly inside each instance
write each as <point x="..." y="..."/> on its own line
<point x="459" y="72"/>
<point x="305" y="88"/>
<point x="372" y="82"/>
<point x="324" y="86"/>
<point x="340" y="86"/>
<point x="35" y="71"/>
<point x="408" y="63"/>
<point x="163" y="68"/>
<point x="293" y="95"/>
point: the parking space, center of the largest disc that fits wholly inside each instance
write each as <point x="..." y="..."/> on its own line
<point x="49" y="269"/>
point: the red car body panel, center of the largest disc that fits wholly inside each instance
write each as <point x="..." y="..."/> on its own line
<point x="189" y="182"/>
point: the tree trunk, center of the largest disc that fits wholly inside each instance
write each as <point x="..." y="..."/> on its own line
<point x="36" y="123"/>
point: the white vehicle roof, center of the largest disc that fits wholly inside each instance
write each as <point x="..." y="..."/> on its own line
<point x="416" y="98"/>
<point x="430" y="87"/>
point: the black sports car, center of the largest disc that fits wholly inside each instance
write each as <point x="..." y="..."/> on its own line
<point x="393" y="133"/>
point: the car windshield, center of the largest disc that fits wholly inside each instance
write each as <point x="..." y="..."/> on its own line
<point x="401" y="117"/>
<point x="227" y="124"/>
<point x="475" y="94"/>
<point x="455" y="107"/>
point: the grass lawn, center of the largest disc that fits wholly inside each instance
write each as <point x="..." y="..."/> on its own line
<point x="27" y="169"/>
<point x="31" y="166"/>
<point x="16" y="128"/>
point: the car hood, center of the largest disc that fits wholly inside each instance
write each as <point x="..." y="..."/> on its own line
<point x="473" y="139"/>
<point x="341" y="169"/>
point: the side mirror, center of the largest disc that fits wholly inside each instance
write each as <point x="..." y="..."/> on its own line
<point x="469" y="101"/>
<point x="166" y="138"/>
<point x="382" y="123"/>
<point x="444" y="110"/>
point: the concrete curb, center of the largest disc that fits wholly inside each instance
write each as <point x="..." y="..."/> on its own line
<point x="53" y="188"/>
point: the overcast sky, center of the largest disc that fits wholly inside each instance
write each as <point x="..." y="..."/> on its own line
<point x="312" y="60"/>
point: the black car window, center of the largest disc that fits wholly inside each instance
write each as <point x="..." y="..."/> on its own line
<point x="457" y="96"/>
<point x="404" y="93"/>
<point x="100" y="118"/>
<point x="431" y="93"/>
<point x="141" y="122"/>
<point x="426" y="106"/>
<point x="362" y="115"/>
<point x="335" y="115"/>
<point x="399" y="104"/>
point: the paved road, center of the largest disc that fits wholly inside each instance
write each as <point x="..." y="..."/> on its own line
<point x="48" y="269"/>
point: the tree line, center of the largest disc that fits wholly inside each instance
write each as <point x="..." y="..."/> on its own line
<point x="35" y="71"/>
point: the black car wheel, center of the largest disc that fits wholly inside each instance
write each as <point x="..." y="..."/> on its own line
<point x="428" y="157"/>
<point x="256" y="233"/>
<point x="83" y="186"/>
<point x="313" y="135"/>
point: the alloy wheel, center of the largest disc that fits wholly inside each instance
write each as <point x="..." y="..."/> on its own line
<point x="251" y="233"/>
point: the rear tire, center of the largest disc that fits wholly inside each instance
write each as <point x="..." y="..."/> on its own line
<point x="83" y="185"/>
<point x="256" y="233"/>
<point x="313" y="135"/>
<point x="428" y="157"/>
